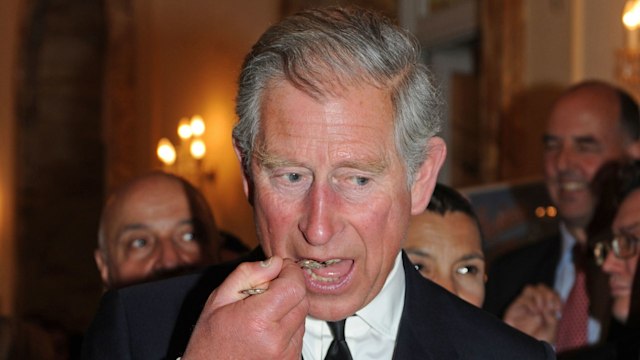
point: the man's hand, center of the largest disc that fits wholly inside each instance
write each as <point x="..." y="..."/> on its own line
<point x="536" y="312"/>
<point x="234" y="325"/>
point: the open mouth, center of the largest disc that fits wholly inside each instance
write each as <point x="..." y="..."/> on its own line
<point x="326" y="275"/>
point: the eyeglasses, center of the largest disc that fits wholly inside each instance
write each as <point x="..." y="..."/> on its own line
<point x="623" y="246"/>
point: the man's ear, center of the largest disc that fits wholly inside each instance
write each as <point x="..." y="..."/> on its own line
<point x="427" y="175"/>
<point x="101" y="262"/>
<point x="246" y="185"/>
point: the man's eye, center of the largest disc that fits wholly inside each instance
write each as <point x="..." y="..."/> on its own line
<point x="468" y="269"/>
<point x="418" y="267"/>
<point x="361" y="181"/>
<point x="139" y="243"/>
<point x="589" y="147"/>
<point x="293" y="177"/>
<point x="551" y="145"/>
<point x="189" y="236"/>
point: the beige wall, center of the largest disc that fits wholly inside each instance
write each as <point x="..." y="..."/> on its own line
<point x="189" y="55"/>
<point x="571" y="40"/>
<point x="9" y="15"/>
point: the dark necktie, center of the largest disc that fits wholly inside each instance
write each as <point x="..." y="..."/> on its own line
<point x="572" y="327"/>
<point x="338" y="350"/>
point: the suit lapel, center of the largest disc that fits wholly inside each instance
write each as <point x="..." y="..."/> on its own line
<point x="417" y="339"/>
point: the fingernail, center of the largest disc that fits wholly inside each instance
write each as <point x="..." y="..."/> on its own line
<point x="266" y="263"/>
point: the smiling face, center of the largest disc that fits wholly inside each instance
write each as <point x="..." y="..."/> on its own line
<point x="149" y="231"/>
<point x="622" y="271"/>
<point x="583" y="132"/>
<point x="447" y="249"/>
<point x="328" y="183"/>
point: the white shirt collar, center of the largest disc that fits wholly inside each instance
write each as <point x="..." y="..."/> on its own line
<point x="383" y="313"/>
<point x="568" y="241"/>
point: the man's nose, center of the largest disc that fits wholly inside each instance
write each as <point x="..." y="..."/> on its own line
<point x="318" y="222"/>
<point x="564" y="158"/>
<point x="168" y="256"/>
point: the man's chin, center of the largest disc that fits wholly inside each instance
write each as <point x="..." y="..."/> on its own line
<point x="323" y="308"/>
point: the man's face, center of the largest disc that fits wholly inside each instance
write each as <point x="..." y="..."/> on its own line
<point x="582" y="134"/>
<point x="622" y="271"/>
<point x="150" y="233"/>
<point x="329" y="184"/>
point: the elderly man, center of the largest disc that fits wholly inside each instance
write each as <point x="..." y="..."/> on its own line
<point x="154" y="226"/>
<point x="591" y="124"/>
<point x="336" y="139"/>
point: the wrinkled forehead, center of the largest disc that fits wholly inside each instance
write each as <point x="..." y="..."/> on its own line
<point x="146" y="200"/>
<point x="355" y="116"/>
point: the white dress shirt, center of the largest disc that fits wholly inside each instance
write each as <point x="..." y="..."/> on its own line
<point x="371" y="332"/>
<point x="566" y="276"/>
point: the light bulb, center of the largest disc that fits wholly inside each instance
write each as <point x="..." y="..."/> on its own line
<point x="198" y="149"/>
<point x="631" y="14"/>
<point x="184" y="129"/>
<point x="197" y="125"/>
<point x="166" y="152"/>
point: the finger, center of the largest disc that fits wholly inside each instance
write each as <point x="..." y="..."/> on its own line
<point x="286" y="292"/>
<point x="248" y="275"/>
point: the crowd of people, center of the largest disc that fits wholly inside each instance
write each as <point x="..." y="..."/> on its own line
<point x="362" y="253"/>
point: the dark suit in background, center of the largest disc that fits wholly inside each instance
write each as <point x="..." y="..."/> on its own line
<point x="531" y="264"/>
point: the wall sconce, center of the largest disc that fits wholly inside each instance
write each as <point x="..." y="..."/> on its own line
<point x="187" y="158"/>
<point x="628" y="58"/>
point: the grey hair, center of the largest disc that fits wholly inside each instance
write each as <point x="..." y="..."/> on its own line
<point x="320" y="51"/>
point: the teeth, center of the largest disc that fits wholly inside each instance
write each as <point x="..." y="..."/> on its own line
<point x="317" y="277"/>
<point x="570" y="186"/>
<point x="313" y="264"/>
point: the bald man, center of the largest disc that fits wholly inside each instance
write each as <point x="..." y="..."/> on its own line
<point x="154" y="226"/>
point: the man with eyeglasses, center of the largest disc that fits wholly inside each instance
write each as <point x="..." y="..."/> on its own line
<point x="590" y="124"/>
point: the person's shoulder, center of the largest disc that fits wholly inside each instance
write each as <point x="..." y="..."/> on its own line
<point x="151" y="318"/>
<point x="457" y="328"/>
<point x="480" y="332"/>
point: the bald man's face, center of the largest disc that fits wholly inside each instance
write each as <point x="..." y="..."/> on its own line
<point x="149" y="232"/>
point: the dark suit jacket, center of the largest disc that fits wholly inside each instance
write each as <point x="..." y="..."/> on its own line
<point x="154" y="321"/>
<point x="534" y="263"/>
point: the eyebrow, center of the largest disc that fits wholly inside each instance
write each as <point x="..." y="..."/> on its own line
<point x="629" y="228"/>
<point x="419" y="252"/>
<point x="580" y="139"/>
<point x="472" y="256"/>
<point x="586" y="139"/>
<point x="466" y="257"/>
<point x="270" y="161"/>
